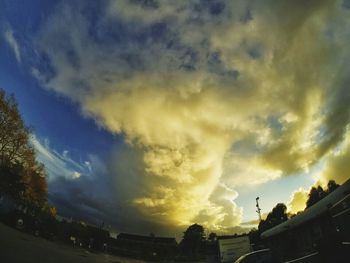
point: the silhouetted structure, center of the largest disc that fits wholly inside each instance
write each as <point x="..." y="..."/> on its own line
<point x="146" y="247"/>
<point x="321" y="228"/>
<point x="258" y="209"/>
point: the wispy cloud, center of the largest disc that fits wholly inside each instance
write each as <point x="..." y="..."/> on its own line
<point x="79" y="189"/>
<point x="56" y="164"/>
<point x="13" y="43"/>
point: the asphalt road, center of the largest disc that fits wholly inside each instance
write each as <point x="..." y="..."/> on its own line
<point x="19" y="247"/>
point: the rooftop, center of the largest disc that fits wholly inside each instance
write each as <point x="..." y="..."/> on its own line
<point x="139" y="238"/>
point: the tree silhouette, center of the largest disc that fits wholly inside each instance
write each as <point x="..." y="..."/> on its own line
<point x="279" y="212"/>
<point x="274" y="218"/>
<point x="331" y="186"/>
<point x="193" y="240"/>
<point x="315" y="195"/>
<point x="318" y="193"/>
<point x="212" y="236"/>
<point x="11" y="180"/>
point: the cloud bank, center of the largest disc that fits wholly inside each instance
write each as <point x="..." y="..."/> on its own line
<point x="209" y="96"/>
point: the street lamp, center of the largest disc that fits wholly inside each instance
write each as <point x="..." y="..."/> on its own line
<point x="258" y="208"/>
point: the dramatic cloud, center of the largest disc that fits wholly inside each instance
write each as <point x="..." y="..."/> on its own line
<point x="210" y="96"/>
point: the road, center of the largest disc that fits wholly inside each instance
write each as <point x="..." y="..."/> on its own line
<point x="19" y="247"/>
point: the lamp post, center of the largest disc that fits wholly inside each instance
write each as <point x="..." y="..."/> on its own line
<point x="258" y="208"/>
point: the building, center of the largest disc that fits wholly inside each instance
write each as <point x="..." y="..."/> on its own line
<point x="341" y="217"/>
<point x="146" y="247"/>
<point x="326" y="221"/>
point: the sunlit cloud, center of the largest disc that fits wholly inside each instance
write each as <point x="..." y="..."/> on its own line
<point x="298" y="201"/>
<point x="208" y="99"/>
<point x="337" y="165"/>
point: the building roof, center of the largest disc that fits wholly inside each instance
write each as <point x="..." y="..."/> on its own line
<point x="230" y="236"/>
<point x="146" y="239"/>
<point x="321" y="207"/>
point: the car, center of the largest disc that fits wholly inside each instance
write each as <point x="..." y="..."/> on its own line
<point x="259" y="256"/>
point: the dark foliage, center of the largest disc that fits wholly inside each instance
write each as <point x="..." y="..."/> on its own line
<point x="274" y="218"/>
<point x="318" y="193"/>
<point x="193" y="241"/>
<point x="21" y="175"/>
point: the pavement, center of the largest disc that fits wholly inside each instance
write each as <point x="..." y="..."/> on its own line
<point x="20" y="247"/>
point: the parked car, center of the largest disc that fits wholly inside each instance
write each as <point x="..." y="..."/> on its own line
<point x="259" y="256"/>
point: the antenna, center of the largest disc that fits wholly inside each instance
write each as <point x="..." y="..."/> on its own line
<point x="258" y="208"/>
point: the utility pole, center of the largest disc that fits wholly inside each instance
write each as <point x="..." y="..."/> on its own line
<point x="258" y="208"/>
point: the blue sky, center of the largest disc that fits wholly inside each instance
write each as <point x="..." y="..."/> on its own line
<point x="154" y="115"/>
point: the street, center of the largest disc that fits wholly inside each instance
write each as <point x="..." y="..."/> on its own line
<point x="19" y="247"/>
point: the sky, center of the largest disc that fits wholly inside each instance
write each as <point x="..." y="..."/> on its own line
<point x="152" y="115"/>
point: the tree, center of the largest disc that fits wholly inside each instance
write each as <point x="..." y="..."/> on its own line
<point x="11" y="180"/>
<point x="36" y="190"/>
<point x="20" y="174"/>
<point x="14" y="135"/>
<point x="318" y="193"/>
<point x="274" y="218"/>
<point x="193" y="240"/>
<point x="312" y="197"/>
<point x="331" y="186"/>
<point x="315" y="195"/>
<point x="212" y="236"/>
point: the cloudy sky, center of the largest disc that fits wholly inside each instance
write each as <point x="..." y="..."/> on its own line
<point x="151" y="115"/>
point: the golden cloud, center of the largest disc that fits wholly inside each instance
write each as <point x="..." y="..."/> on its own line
<point x="279" y="82"/>
<point x="298" y="201"/>
<point x="337" y="164"/>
